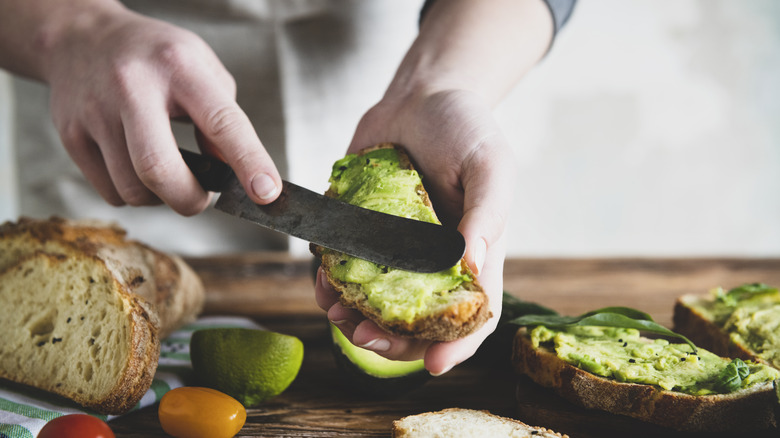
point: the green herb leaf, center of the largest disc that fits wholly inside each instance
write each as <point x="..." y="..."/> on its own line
<point x="620" y="317"/>
<point x="513" y="307"/>
<point x="739" y="293"/>
<point x="730" y="378"/>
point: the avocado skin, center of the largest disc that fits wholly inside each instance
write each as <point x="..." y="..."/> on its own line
<point x="361" y="381"/>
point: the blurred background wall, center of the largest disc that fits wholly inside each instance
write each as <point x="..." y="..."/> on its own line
<point x="652" y="128"/>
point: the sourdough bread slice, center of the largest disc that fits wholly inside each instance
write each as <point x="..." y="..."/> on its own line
<point x="84" y="309"/>
<point x="463" y="310"/>
<point x="694" y="317"/>
<point x="162" y="279"/>
<point x="466" y="423"/>
<point x="70" y="328"/>
<point x="746" y="410"/>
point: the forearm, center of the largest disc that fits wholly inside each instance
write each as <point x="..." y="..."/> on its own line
<point x="31" y="30"/>
<point x="476" y="45"/>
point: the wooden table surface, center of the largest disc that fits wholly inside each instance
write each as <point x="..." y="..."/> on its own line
<point x="277" y="292"/>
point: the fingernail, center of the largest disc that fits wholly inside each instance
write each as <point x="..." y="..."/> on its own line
<point x="264" y="186"/>
<point x="479" y="255"/>
<point x="378" y="344"/>
<point x="443" y="371"/>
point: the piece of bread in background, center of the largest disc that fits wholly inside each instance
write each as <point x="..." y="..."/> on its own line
<point x="466" y="423"/>
<point x="745" y="327"/>
<point x="745" y="410"/>
<point x="162" y="279"/>
<point x="82" y="310"/>
<point x="463" y="311"/>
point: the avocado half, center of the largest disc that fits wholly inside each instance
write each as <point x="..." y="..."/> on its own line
<point x="372" y="374"/>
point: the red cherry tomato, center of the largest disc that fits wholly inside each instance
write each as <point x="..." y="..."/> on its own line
<point x="76" y="426"/>
<point x="195" y="412"/>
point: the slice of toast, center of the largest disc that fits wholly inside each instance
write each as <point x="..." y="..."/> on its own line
<point x="746" y="410"/>
<point x="694" y="318"/>
<point x="463" y="310"/>
<point x="466" y="423"/>
<point x="83" y="309"/>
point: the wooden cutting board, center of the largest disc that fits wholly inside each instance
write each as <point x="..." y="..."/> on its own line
<point x="277" y="292"/>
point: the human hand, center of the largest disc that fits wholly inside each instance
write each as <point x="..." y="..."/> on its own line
<point x="467" y="168"/>
<point x="117" y="79"/>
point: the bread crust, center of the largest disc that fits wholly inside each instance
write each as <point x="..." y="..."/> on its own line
<point x="456" y="321"/>
<point x="742" y="411"/>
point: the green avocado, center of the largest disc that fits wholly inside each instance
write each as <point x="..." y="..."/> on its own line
<point x="625" y="356"/>
<point x="376" y="180"/>
<point x="751" y="315"/>
<point x="372" y="374"/>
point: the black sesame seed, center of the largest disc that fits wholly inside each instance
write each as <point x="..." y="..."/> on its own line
<point x="620" y="340"/>
<point x="625" y="344"/>
<point x="368" y="161"/>
<point x="68" y="320"/>
<point x="55" y="340"/>
<point x="41" y="344"/>
<point x="632" y="361"/>
<point x="682" y="359"/>
<point x="343" y="262"/>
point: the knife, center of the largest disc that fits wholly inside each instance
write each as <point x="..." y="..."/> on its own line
<point x="378" y="237"/>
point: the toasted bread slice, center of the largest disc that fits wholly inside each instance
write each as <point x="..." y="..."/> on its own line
<point x="464" y="310"/>
<point x="750" y="409"/>
<point x="466" y="423"/>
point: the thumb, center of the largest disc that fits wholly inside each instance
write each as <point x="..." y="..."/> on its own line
<point x="488" y="179"/>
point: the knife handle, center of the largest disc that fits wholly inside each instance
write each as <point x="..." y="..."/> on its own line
<point x="211" y="173"/>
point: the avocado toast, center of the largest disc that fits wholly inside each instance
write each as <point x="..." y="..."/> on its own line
<point x="673" y="385"/>
<point x="743" y="322"/>
<point x="442" y="306"/>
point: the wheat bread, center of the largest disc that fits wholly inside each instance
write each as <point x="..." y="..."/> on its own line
<point x="746" y="410"/>
<point x="465" y="310"/>
<point x="466" y="423"/>
<point x="82" y="310"/>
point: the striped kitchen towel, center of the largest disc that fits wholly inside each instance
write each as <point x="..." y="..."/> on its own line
<point x="24" y="411"/>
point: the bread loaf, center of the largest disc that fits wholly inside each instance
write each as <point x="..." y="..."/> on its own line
<point x="448" y="314"/>
<point x="82" y="310"/>
<point x="466" y="423"/>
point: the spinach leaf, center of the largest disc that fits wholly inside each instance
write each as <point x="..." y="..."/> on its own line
<point x="620" y="317"/>
<point x="730" y="378"/>
<point x="739" y="293"/>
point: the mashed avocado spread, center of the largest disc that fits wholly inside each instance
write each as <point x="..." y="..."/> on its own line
<point x="625" y="356"/>
<point x="377" y="181"/>
<point x="751" y="316"/>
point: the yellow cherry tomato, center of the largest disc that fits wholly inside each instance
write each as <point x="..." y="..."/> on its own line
<point x="194" y="412"/>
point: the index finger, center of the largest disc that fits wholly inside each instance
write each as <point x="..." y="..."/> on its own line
<point x="225" y="127"/>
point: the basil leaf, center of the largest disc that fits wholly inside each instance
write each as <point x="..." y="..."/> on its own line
<point x="513" y="307"/>
<point x="620" y="317"/>
<point x="730" y="378"/>
<point x="739" y="293"/>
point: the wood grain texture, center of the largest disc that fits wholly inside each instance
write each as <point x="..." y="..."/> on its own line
<point x="277" y="292"/>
